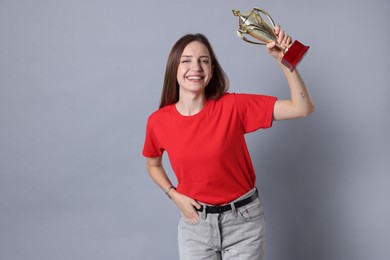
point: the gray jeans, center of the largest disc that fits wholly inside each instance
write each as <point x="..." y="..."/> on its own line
<point x="236" y="234"/>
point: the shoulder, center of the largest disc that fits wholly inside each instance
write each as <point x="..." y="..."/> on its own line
<point x="160" y="114"/>
<point x="245" y="101"/>
<point x="226" y="98"/>
<point x="232" y="97"/>
<point x="243" y="97"/>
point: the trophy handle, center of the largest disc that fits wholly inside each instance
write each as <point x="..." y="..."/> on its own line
<point x="259" y="10"/>
<point x="239" y="33"/>
<point x="266" y="14"/>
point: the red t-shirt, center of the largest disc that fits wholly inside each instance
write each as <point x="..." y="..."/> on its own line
<point x="207" y="151"/>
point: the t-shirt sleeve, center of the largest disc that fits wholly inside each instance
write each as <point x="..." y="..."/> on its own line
<point x="255" y="111"/>
<point x="152" y="147"/>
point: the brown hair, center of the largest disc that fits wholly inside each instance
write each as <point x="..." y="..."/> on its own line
<point x="218" y="84"/>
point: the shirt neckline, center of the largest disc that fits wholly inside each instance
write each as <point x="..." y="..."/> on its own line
<point x="200" y="113"/>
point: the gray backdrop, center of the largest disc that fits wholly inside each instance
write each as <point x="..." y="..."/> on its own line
<point x="78" y="80"/>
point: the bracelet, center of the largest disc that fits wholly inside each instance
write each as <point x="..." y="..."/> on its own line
<point x="168" y="190"/>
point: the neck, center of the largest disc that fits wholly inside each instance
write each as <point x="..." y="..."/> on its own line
<point x="191" y="105"/>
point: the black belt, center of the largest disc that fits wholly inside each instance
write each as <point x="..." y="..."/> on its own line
<point x="227" y="207"/>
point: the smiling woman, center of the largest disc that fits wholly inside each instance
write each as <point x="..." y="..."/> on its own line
<point x="218" y="83"/>
<point x="193" y="75"/>
<point x="202" y="128"/>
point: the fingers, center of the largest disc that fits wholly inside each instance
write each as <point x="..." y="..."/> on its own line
<point x="286" y="41"/>
<point x="271" y="46"/>
<point x="191" y="214"/>
<point x="192" y="218"/>
<point x="187" y="206"/>
<point x="277" y="29"/>
<point x="283" y="38"/>
<point x="279" y="33"/>
<point x="196" y="204"/>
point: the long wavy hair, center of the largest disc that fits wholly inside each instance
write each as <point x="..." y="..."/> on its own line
<point x="218" y="84"/>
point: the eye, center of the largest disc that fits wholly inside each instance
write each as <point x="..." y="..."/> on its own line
<point x="185" y="61"/>
<point x="205" y="61"/>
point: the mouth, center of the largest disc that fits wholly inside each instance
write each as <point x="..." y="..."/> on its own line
<point x="194" y="77"/>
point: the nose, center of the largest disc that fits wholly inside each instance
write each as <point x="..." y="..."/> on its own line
<point x="197" y="67"/>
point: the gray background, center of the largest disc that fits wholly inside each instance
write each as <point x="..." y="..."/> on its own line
<point x="79" y="78"/>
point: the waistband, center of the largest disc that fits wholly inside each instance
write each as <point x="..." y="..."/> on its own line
<point x="237" y="204"/>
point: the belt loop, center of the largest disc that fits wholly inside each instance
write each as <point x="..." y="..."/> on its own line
<point x="234" y="210"/>
<point x="204" y="212"/>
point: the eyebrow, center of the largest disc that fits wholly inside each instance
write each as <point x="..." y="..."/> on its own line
<point x="190" y="56"/>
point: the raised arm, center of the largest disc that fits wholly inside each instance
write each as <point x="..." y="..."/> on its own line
<point x="300" y="103"/>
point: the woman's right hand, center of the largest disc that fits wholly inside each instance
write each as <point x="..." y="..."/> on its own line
<point x="187" y="206"/>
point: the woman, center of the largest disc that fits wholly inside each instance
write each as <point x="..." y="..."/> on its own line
<point x="202" y="127"/>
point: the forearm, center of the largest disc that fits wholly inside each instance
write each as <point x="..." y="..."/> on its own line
<point x="157" y="173"/>
<point x="300" y="99"/>
<point x="160" y="177"/>
<point x="300" y="103"/>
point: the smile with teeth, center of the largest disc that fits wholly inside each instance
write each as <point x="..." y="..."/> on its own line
<point x="194" y="77"/>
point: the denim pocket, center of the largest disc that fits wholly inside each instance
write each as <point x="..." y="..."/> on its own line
<point x="251" y="212"/>
<point x="185" y="220"/>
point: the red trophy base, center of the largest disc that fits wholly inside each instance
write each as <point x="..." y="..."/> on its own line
<point x="294" y="55"/>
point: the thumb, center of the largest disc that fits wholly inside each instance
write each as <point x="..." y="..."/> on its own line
<point x="271" y="45"/>
<point x="196" y="204"/>
<point x="274" y="48"/>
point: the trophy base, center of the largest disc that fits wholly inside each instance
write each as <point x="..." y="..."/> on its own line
<point x="294" y="55"/>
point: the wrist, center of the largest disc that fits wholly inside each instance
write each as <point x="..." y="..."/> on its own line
<point x="168" y="190"/>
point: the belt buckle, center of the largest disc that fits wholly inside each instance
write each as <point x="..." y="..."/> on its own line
<point x="218" y="208"/>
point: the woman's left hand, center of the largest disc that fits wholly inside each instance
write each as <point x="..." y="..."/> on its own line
<point x="276" y="48"/>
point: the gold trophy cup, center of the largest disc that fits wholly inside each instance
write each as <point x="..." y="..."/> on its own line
<point x="253" y="24"/>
